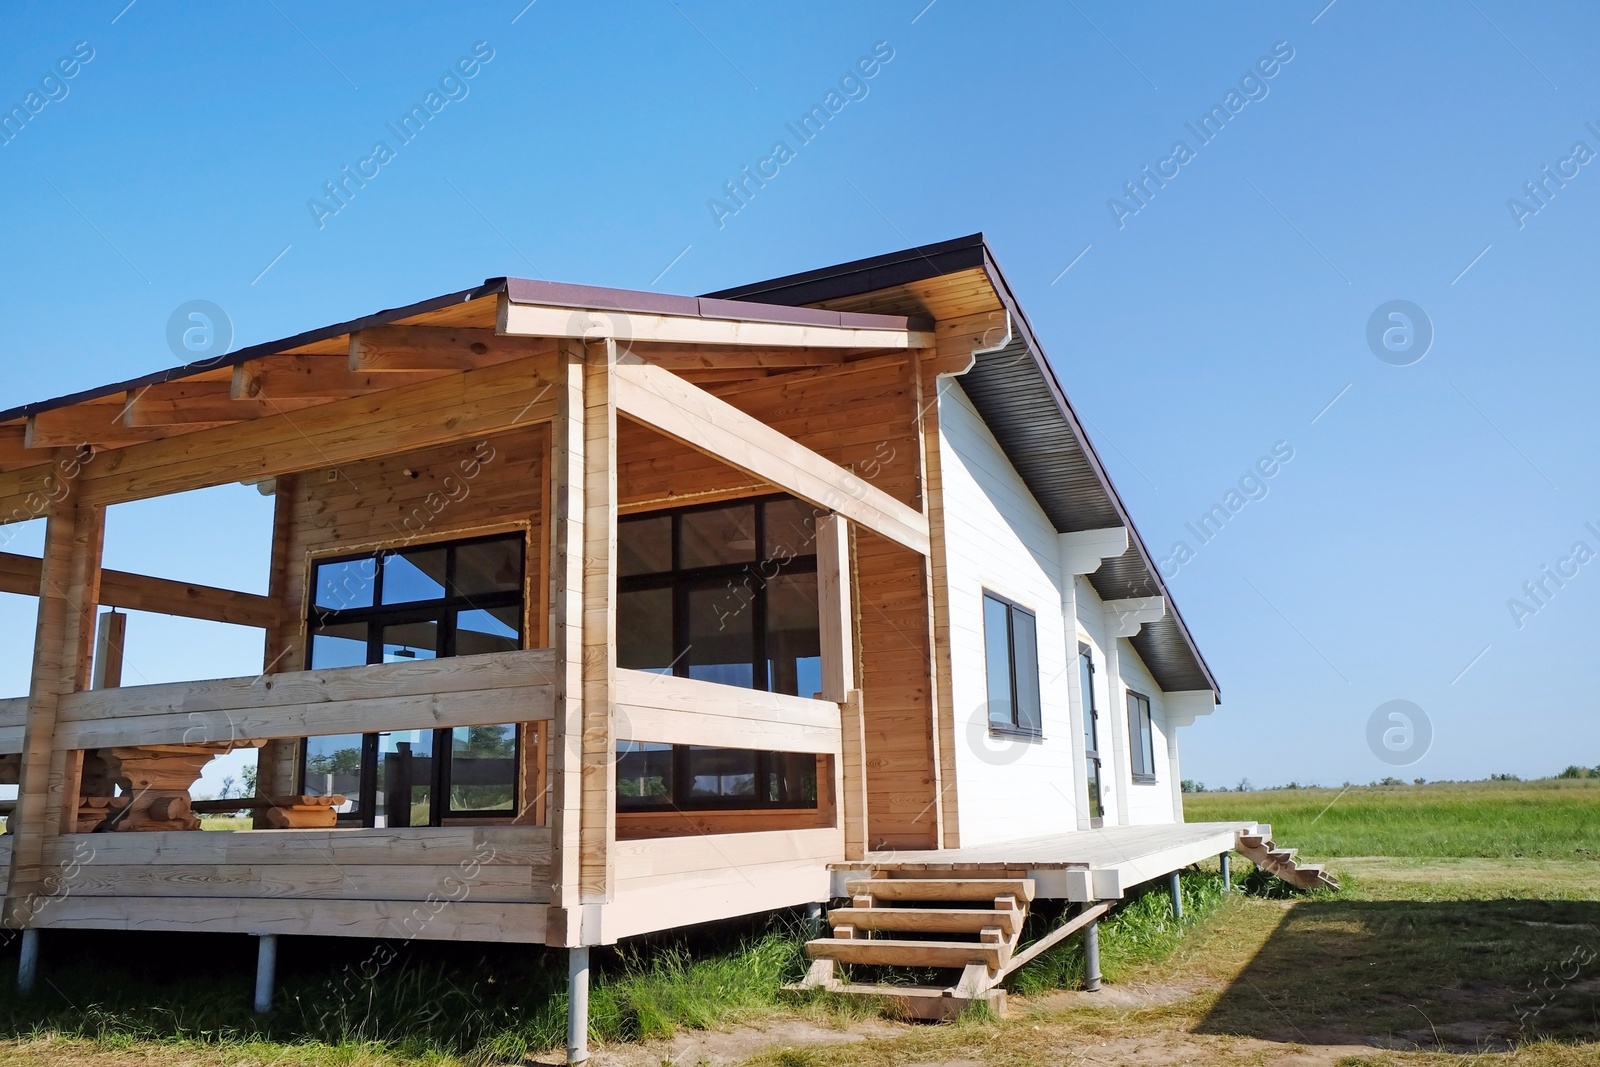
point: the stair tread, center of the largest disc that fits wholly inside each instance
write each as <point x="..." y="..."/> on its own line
<point x="933" y="920"/>
<point x="941" y="888"/>
<point x="892" y="953"/>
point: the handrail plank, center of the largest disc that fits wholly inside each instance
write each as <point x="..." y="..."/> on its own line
<point x="664" y="708"/>
<point x="460" y="691"/>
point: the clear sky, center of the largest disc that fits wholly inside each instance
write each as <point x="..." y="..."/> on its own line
<point x="1199" y="326"/>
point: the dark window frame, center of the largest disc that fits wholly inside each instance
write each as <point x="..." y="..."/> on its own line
<point x="1016" y="727"/>
<point x="1141" y="739"/>
<point x="444" y="612"/>
<point x="682" y="581"/>
<point x="681" y="800"/>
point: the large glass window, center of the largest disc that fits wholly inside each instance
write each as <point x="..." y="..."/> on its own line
<point x="1141" y="739"/>
<point x="1011" y="661"/>
<point x="725" y="593"/>
<point x="459" y="599"/>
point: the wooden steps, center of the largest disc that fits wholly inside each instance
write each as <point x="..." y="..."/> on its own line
<point x="1259" y="849"/>
<point x="941" y="888"/>
<point x="992" y="923"/>
<point x="882" y="952"/>
<point x="928" y="920"/>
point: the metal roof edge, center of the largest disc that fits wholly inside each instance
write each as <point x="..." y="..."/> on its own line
<point x="1003" y="288"/>
<point x="490" y="287"/>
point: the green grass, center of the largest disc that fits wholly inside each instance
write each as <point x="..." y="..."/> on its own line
<point x="1551" y="818"/>
<point x="1141" y="932"/>
<point x="342" y="1001"/>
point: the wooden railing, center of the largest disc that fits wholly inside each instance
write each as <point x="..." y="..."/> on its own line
<point x="417" y="695"/>
<point x="666" y="709"/>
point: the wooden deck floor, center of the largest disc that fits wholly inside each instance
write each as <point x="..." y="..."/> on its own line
<point x="1081" y="865"/>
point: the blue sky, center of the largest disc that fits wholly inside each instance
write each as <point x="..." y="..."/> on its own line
<point x="1221" y="318"/>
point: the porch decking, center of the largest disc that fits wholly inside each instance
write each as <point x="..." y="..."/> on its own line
<point x="1082" y="865"/>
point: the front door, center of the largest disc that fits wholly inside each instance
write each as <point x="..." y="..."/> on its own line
<point x="1091" y="736"/>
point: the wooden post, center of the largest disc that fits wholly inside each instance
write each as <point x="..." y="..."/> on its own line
<point x="277" y="762"/>
<point x="599" y="651"/>
<point x="28" y="963"/>
<point x="109" y="643"/>
<point x="835" y="607"/>
<point x="1175" y="888"/>
<point x="1227" y="872"/>
<point x="583" y="630"/>
<point x="853" y="757"/>
<point x="578" y="1005"/>
<point x="1091" y="957"/>
<point x="266" y="970"/>
<point x="48" y="779"/>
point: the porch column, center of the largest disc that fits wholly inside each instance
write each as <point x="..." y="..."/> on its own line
<point x="278" y="761"/>
<point x="47" y="790"/>
<point x="583" y="630"/>
<point x="836" y="614"/>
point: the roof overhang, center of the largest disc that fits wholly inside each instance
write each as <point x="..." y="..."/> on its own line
<point x="1017" y="393"/>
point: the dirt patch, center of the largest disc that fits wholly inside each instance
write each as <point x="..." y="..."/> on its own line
<point x="717" y="1048"/>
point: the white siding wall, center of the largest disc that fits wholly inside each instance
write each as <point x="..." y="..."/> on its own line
<point x="998" y="538"/>
<point x="1150" y="802"/>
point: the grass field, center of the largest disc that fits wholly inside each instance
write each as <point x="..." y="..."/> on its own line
<point x="1467" y="933"/>
<point x="1553" y="818"/>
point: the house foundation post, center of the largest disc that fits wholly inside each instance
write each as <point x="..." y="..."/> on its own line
<point x="1227" y="872"/>
<point x="578" y="1004"/>
<point x="266" y="971"/>
<point x="1091" y="957"/>
<point x="813" y="920"/>
<point x="28" y="963"/>
<point x="1175" y="887"/>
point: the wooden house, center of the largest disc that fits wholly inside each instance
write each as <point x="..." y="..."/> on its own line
<point x="597" y="612"/>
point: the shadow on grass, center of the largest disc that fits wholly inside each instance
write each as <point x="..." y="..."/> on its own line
<point x="1458" y="976"/>
<point x="480" y="1002"/>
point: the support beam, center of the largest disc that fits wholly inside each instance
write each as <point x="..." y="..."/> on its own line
<point x="680" y="358"/>
<point x="578" y="1005"/>
<point x="67" y="590"/>
<point x="835" y="608"/>
<point x="853" y="748"/>
<point x="189" y="403"/>
<point x="14" y="450"/>
<point x="407" y="349"/>
<point x="139" y="592"/>
<point x="599" y="649"/>
<point x="629" y="327"/>
<point x="1175" y="890"/>
<point x="99" y="425"/>
<point x="663" y="401"/>
<point x="302" y="377"/>
<point x="266" y="971"/>
<point x="1227" y="871"/>
<point x="111" y="638"/>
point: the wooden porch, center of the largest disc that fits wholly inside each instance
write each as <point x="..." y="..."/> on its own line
<point x="544" y="412"/>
